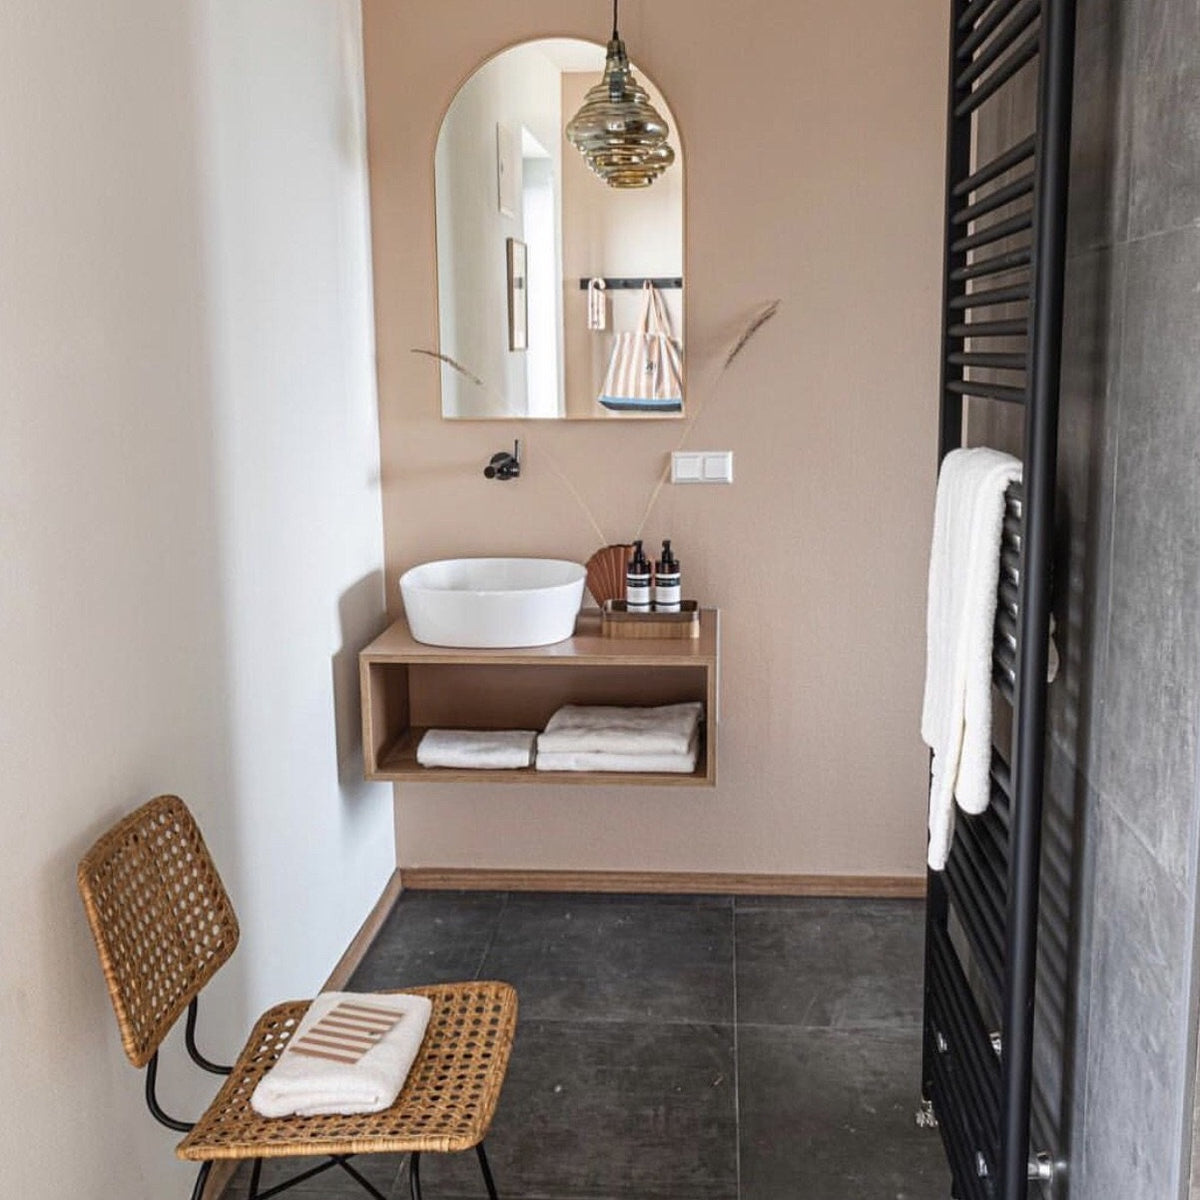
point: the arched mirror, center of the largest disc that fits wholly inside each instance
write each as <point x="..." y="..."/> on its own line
<point x="542" y="263"/>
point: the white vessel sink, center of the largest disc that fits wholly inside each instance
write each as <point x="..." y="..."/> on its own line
<point x="479" y="603"/>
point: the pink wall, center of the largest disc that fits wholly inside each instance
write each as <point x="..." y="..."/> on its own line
<point x="813" y="135"/>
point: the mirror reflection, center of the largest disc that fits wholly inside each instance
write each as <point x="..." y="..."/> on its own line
<point x="559" y="296"/>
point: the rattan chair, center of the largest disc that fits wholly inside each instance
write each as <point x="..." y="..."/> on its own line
<point x="164" y="925"/>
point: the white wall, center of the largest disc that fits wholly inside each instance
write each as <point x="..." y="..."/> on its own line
<point x="189" y="521"/>
<point x="298" y="463"/>
<point x="543" y="360"/>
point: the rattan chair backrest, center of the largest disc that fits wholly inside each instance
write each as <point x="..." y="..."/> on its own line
<point x="161" y="917"/>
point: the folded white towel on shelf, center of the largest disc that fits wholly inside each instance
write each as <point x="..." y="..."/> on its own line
<point x="477" y="749"/>
<point x="578" y="760"/>
<point x="610" y="729"/>
<point x="356" y="1062"/>
<point x="964" y="569"/>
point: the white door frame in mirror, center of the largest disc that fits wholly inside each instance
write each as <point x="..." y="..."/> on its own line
<point x="503" y="170"/>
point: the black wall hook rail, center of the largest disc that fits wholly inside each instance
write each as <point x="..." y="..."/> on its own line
<point x="632" y="283"/>
<point x="979" y="1078"/>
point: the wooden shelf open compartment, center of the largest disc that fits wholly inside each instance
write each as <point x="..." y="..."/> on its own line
<point x="408" y="687"/>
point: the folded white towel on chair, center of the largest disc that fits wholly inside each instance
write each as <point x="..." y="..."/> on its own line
<point x="477" y="749"/>
<point x="964" y="570"/>
<point x="610" y="729"/>
<point x="577" y="760"/>
<point x="318" y="1073"/>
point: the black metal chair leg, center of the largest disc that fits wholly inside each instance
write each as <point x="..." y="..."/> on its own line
<point x="201" y="1180"/>
<point x="362" y="1181"/>
<point x="255" y="1172"/>
<point x="414" y="1174"/>
<point x="489" y="1182"/>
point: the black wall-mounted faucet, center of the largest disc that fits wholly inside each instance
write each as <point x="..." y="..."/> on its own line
<point x="505" y="465"/>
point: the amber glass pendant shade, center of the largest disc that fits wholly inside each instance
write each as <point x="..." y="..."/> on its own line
<point x="618" y="131"/>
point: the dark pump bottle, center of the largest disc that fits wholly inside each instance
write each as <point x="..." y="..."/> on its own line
<point x="637" y="581"/>
<point x="667" y="581"/>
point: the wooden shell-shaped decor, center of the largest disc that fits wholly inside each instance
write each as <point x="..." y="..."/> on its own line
<point x="606" y="573"/>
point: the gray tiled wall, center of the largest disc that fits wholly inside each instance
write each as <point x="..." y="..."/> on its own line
<point x="1115" y="1096"/>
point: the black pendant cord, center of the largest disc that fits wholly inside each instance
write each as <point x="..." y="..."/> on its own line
<point x="616" y="36"/>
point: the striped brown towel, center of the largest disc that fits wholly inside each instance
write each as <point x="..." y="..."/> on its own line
<point x="351" y="1053"/>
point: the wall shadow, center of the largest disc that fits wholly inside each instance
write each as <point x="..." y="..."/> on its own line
<point x="362" y="616"/>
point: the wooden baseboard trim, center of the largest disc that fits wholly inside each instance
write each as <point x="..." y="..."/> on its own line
<point x="224" y="1170"/>
<point x="704" y="882"/>
<point x="362" y="940"/>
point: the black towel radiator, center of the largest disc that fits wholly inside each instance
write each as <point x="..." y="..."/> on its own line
<point x="1005" y="247"/>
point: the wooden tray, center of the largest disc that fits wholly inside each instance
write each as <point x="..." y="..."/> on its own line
<point x="616" y="621"/>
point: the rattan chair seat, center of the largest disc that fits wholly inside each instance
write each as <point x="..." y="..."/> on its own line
<point x="446" y="1103"/>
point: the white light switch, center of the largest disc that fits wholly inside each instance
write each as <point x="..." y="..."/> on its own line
<point x="718" y="466"/>
<point x="686" y="467"/>
<point x="702" y="466"/>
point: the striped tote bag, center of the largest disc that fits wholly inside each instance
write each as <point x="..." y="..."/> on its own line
<point x="645" y="371"/>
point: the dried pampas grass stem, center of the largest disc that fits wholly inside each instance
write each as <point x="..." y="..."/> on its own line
<point x="583" y="504"/>
<point x="755" y="323"/>
<point x="752" y="326"/>
<point x="757" y="320"/>
<point x="450" y="363"/>
<point x="493" y="394"/>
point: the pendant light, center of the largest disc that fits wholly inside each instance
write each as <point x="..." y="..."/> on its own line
<point x="618" y="131"/>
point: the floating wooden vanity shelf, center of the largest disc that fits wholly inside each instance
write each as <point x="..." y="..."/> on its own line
<point x="408" y="687"/>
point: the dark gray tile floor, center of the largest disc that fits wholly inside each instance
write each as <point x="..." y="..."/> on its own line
<point x="680" y="1047"/>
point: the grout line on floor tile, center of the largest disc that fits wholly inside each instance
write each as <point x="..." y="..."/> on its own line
<point x="487" y="949"/>
<point x="737" y="1111"/>
<point x="884" y="1027"/>
<point x="620" y="1019"/>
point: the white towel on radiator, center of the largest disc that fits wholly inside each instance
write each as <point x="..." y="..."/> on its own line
<point x="309" y="1086"/>
<point x="611" y="729"/>
<point x="964" y="570"/>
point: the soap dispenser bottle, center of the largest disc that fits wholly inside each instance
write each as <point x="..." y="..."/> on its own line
<point x="667" y="581"/>
<point x="637" y="581"/>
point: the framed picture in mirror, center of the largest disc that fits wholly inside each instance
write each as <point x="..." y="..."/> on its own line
<point x="518" y="296"/>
